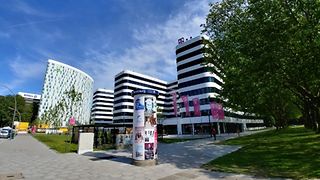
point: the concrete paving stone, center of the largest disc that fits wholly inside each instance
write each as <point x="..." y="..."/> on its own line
<point x="177" y="161"/>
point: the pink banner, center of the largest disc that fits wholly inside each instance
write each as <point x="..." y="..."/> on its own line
<point x="216" y="110"/>
<point x="221" y="112"/>
<point x="174" y="97"/>
<point x="186" y="104"/>
<point x="196" y="106"/>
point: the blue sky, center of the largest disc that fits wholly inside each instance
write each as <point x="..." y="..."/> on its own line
<point x="100" y="37"/>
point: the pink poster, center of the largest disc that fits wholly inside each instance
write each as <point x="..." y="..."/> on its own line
<point x="196" y="106"/>
<point x="155" y="142"/>
<point x="174" y="97"/>
<point x="186" y="104"/>
<point x="72" y="121"/>
<point x="221" y="112"/>
<point x="214" y="110"/>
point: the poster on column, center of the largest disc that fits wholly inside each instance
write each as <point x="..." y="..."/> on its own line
<point x="155" y="143"/>
<point x="138" y="151"/>
<point x="149" y="135"/>
<point x="138" y="119"/>
<point x="138" y="146"/>
<point x="148" y="149"/>
<point x="150" y="121"/>
<point x="150" y="105"/>
<point x="139" y="103"/>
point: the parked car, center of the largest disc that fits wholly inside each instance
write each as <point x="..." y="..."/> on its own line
<point x="5" y="133"/>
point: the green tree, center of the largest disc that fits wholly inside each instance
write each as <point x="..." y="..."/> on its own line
<point x="267" y="53"/>
<point x="72" y="100"/>
<point x="7" y="105"/>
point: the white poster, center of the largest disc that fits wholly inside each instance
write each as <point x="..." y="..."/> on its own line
<point x="150" y="105"/>
<point x="138" y="135"/>
<point x="149" y="135"/>
<point x="138" y="115"/>
<point x="138" y="151"/>
<point x="138" y="145"/>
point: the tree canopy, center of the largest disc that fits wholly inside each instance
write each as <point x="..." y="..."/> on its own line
<point x="267" y="53"/>
<point x="24" y="111"/>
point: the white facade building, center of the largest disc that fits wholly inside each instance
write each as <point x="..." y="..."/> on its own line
<point x="128" y="81"/>
<point x="61" y="78"/>
<point x="102" y="106"/>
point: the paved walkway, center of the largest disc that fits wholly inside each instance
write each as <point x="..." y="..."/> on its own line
<point x="26" y="158"/>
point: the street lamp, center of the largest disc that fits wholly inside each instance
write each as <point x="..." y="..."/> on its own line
<point x="209" y="100"/>
<point x="15" y="103"/>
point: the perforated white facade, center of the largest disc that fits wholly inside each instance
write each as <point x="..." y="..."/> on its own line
<point x="60" y="78"/>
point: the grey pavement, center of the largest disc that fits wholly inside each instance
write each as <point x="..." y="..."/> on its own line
<point x="26" y="158"/>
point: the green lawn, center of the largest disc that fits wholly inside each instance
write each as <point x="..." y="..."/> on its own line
<point x="57" y="142"/>
<point x="293" y="152"/>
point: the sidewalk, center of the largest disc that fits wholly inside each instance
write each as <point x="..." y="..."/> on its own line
<point x="26" y="158"/>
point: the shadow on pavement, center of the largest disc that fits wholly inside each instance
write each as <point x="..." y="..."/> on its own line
<point x="117" y="156"/>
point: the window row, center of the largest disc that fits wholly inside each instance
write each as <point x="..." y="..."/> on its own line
<point x="140" y="78"/>
<point x="189" y="46"/>
<point x="192" y="72"/>
<point x="138" y="83"/>
<point x="131" y="88"/>
<point x="189" y="55"/>
<point x="102" y="92"/>
<point x="189" y="64"/>
<point x="200" y="91"/>
<point x="102" y="110"/>
<point x="199" y="81"/>
<point x="123" y="107"/>
<point x="103" y="101"/>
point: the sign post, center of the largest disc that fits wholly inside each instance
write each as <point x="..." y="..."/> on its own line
<point x="145" y="136"/>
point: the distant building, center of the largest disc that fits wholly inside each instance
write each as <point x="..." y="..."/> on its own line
<point x="61" y="78"/>
<point x="128" y="81"/>
<point x="30" y="98"/>
<point x="102" y="106"/>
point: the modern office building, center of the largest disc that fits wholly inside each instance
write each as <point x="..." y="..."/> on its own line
<point x="172" y="91"/>
<point x="67" y="86"/>
<point x="196" y="82"/>
<point x="30" y="98"/>
<point x="128" y="81"/>
<point x="102" y="107"/>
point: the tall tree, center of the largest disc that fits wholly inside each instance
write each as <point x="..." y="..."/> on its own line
<point x="7" y="107"/>
<point x="267" y="52"/>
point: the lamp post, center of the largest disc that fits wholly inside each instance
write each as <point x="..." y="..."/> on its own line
<point x="17" y="112"/>
<point x="209" y="100"/>
<point x="15" y="103"/>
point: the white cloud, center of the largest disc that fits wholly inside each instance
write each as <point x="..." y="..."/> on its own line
<point x="30" y="69"/>
<point x="25" y="8"/>
<point x="4" y="35"/>
<point x="24" y="71"/>
<point x="155" y="53"/>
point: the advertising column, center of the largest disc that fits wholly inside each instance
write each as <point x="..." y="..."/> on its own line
<point x="145" y="134"/>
